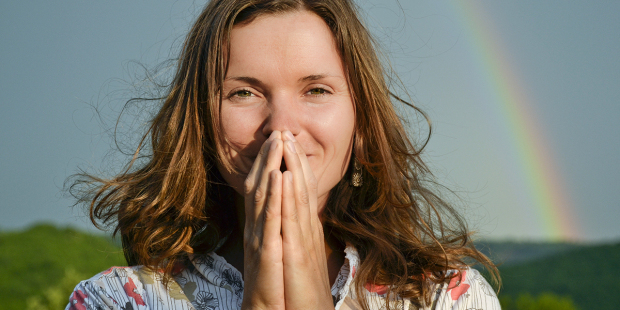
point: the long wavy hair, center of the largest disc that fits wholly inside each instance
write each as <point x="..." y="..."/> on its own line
<point x="176" y="203"/>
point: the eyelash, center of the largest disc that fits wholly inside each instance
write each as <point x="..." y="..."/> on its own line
<point x="236" y="93"/>
<point x="325" y="91"/>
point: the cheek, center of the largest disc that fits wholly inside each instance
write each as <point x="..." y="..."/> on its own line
<point x="336" y="137"/>
<point x="240" y="127"/>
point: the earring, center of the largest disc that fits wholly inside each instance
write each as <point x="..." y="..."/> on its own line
<point x="356" y="178"/>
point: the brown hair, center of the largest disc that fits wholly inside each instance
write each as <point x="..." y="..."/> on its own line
<point x="175" y="204"/>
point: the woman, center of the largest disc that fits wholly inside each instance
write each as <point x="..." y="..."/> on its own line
<point x="277" y="158"/>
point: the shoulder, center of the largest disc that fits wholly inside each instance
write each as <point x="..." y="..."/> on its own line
<point x="468" y="289"/>
<point x="110" y="288"/>
<point x="118" y="288"/>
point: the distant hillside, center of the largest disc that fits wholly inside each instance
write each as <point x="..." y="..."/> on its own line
<point x="589" y="275"/>
<point x="42" y="264"/>
<point x="45" y="257"/>
<point x="507" y="253"/>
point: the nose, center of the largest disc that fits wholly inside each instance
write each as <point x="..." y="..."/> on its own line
<point x="283" y="113"/>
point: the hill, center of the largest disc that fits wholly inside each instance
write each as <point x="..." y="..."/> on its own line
<point x="36" y="261"/>
<point x="507" y="253"/>
<point x="42" y="264"/>
<point x="589" y="275"/>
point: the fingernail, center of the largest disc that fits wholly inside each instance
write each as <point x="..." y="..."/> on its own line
<point x="272" y="135"/>
<point x="290" y="146"/>
<point x="289" y="176"/>
<point x="273" y="145"/>
<point x="289" y="135"/>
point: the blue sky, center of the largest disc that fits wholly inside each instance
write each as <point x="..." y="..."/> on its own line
<point x="58" y="60"/>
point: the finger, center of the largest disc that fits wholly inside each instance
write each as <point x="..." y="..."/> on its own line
<point x="251" y="237"/>
<point x="312" y="188"/>
<point x="291" y="232"/>
<point x="272" y="220"/>
<point x="316" y="227"/>
<point x="311" y="182"/>
<point x="313" y="232"/>
<point x="251" y="180"/>
<point x="313" y="229"/>
<point x="258" y="179"/>
<point x="259" y="197"/>
<point x="302" y="197"/>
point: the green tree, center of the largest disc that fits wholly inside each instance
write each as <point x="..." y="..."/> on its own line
<point x="42" y="262"/>
<point x="56" y="296"/>
<point x="544" y="301"/>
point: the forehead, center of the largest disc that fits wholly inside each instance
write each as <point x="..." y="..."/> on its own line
<point x="287" y="44"/>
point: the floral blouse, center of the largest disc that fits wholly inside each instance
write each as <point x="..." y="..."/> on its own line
<point x="211" y="283"/>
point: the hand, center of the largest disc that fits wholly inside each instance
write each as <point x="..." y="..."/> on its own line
<point x="262" y="242"/>
<point x="284" y="251"/>
<point x="306" y="280"/>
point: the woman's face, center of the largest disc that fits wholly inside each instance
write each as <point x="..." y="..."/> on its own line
<point x="285" y="74"/>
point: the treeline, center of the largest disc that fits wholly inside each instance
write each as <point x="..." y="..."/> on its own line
<point x="40" y="266"/>
<point x="589" y="275"/>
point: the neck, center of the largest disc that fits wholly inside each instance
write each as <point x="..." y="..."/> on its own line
<point x="232" y="249"/>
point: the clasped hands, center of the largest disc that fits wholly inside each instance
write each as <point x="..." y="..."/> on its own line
<point x="284" y="252"/>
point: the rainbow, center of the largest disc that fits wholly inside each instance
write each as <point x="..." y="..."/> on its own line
<point x="549" y="198"/>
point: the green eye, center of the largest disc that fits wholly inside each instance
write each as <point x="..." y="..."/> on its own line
<point x="243" y="93"/>
<point x="317" y="91"/>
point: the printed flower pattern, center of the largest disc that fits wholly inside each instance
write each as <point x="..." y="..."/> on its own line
<point x="457" y="287"/>
<point x="486" y="288"/>
<point x="76" y="301"/>
<point x="379" y="289"/>
<point x="209" y="283"/>
<point x="131" y="291"/>
<point x="116" y="272"/>
<point x="206" y="301"/>
<point x="206" y="260"/>
<point x="234" y="280"/>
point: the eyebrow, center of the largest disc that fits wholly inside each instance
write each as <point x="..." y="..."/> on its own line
<point x="313" y="77"/>
<point x="255" y="81"/>
<point x="247" y="79"/>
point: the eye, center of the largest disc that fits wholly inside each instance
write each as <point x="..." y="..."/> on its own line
<point x="318" y="91"/>
<point x="244" y="93"/>
<point x="241" y="94"/>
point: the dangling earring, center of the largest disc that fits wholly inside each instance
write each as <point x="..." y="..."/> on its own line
<point x="356" y="178"/>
